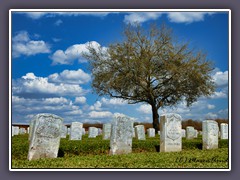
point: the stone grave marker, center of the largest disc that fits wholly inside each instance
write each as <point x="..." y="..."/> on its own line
<point x="15" y="130"/>
<point x="183" y="133"/>
<point x="210" y="134"/>
<point x="106" y="131"/>
<point x="83" y="131"/>
<point x="76" y="131"/>
<point x="45" y="138"/>
<point x="121" y="135"/>
<point x="151" y="132"/>
<point x="171" y="133"/>
<point x="190" y="132"/>
<point x="224" y="131"/>
<point x="64" y="131"/>
<point x="140" y="132"/>
<point x="196" y="133"/>
<point x="92" y="132"/>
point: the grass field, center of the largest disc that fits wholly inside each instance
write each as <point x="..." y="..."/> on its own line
<point x="93" y="153"/>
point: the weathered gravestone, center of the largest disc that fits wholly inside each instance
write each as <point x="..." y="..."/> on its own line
<point x="196" y="133"/>
<point x="106" y="131"/>
<point x="151" y="132"/>
<point x="210" y="134"/>
<point x="92" y="132"/>
<point x="15" y="130"/>
<point x="64" y="131"/>
<point x="22" y="131"/>
<point x="140" y="132"/>
<point x="99" y="131"/>
<point x="121" y="135"/>
<point x="190" y="132"/>
<point x="183" y="133"/>
<point x="83" y="131"/>
<point x="224" y="131"/>
<point x="45" y="138"/>
<point x="76" y="131"/>
<point x="171" y="133"/>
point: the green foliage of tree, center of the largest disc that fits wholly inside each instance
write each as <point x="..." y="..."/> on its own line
<point x="152" y="67"/>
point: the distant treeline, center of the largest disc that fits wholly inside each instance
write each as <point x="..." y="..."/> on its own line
<point x="195" y="123"/>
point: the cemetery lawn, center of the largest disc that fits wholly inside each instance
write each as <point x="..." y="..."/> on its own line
<point x="93" y="153"/>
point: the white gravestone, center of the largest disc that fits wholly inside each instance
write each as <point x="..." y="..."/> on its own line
<point x="76" y="131"/>
<point x="28" y="130"/>
<point x="121" y="135"/>
<point x="22" y="131"/>
<point x="92" y="132"/>
<point x="224" y="131"/>
<point x="159" y="132"/>
<point x="140" y="132"/>
<point x="183" y="133"/>
<point x="196" y="133"/>
<point x="171" y="133"/>
<point x="68" y="131"/>
<point x="64" y="131"/>
<point x="210" y="134"/>
<point x="99" y="131"/>
<point x="83" y="131"/>
<point x="151" y="132"/>
<point x="106" y="131"/>
<point x="45" y="138"/>
<point x="190" y="132"/>
<point x="15" y="130"/>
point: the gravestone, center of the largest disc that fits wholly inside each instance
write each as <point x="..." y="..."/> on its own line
<point x="210" y="134"/>
<point x="92" y="132"/>
<point x="121" y="135"/>
<point x="64" y="131"/>
<point x="183" y="133"/>
<point x="28" y="130"/>
<point x="45" y="138"/>
<point x="106" y="131"/>
<point x="83" y="131"/>
<point x="171" y="133"/>
<point x="159" y="133"/>
<point x="140" y="132"/>
<point x="190" y="132"/>
<point x="22" y="131"/>
<point x="15" y="130"/>
<point x="99" y="131"/>
<point x="76" y="131"/>
<point x="68" y="131"/>
<point x="196" y="133"/>
<point x="134" y="134"/>
<point x="224" y="131"/>
<point x="151" y="132"/>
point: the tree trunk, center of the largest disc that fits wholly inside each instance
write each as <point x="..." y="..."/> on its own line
<point x="155" y="118"/>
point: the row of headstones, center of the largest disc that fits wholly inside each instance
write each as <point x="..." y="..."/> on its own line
<point x="16" y="130"/>
<point x="45" y="134"/>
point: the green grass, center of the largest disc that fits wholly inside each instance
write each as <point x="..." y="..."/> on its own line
<point x="93" y="153"/>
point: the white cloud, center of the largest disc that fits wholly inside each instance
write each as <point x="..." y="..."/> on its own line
<point x="145" y="109"/>
<point x="210" y="106"/>
<point x="211" y="115"/>
<point x="80" y="100"/>
<point x="97" y="106"/>
<point x="219" y="95"/>
<point x="140" y="17"/>
<point x="186" y="17"/>
<point x="58" y="22"/>
<point x="38" y="15"/>
<point x="113" y="101"/>
<point x="221" y="78"/>
<point x="100" y="114"/>
<point x="23" y="45"/>
<point x="56" y="39"/>
<point x="30" y="85"/>
<point x="72" y="53"/>
<point x="70" y="77"/>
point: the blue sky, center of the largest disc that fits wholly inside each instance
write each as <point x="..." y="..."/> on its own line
<point x="49" y="74"/>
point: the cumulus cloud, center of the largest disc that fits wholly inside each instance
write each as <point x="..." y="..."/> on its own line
<point x="38" y="15"/>
<point x="145" y="109"/>
<point x="187" y="17"/>
<point x="32" y="86"/>
<point x="221" y="78"/>
<point x="23" y="45"/>
<point x="70" y="77"/>
<point x="113" y="101"/>
<point x="72" y="53"/>
<point x="140" y="17"/>
<point x="96" y="106"/>
<point x="80" y="100"/>
<point x="100" y="114"/>
<point x="210" y="106"/>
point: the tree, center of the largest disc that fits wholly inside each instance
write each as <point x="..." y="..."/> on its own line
<point x="150" y="66"/>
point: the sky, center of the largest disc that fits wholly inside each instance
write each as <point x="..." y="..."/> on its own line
<point x="49" y="74"/>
